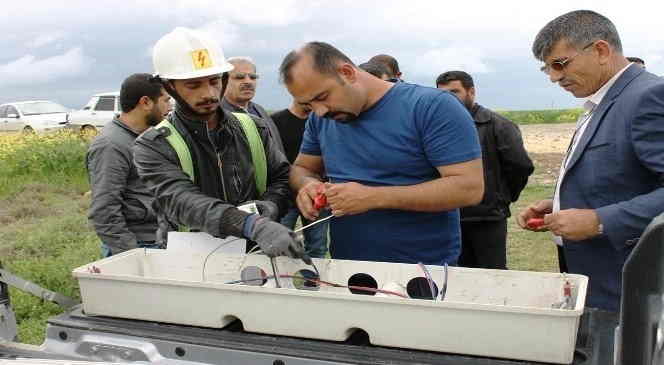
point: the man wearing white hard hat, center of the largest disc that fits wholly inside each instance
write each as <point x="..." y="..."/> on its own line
<point x="203" y="162"/>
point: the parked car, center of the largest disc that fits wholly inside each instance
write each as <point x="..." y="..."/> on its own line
<point x="95" y="114"/>
<point x="38" y="116"/>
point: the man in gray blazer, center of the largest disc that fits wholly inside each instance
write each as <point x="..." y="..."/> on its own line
<point x="611" y="182"/>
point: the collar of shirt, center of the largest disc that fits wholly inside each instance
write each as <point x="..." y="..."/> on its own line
<point x="597" y="97"/>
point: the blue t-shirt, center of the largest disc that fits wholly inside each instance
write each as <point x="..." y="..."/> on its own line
<point x="399" y="141"/>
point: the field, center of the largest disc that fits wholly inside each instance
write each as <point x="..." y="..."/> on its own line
<point x="552" y="116"/>
<point x="44" y="232"/>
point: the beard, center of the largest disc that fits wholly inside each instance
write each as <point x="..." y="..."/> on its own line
<point x="344" y="117"/>
<point x="205" y="109"/>
<point x="468" y="103"/>
<point x="154" y="118"/>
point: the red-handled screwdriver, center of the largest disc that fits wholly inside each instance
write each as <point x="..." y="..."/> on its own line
<point x="320" y="201"/>
<point x="535" y="223"/>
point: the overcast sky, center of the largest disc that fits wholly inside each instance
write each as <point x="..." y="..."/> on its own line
<point x="66" y="51"/>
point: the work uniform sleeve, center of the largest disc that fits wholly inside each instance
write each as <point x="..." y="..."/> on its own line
<point x="515" y="163"/>
<point x="181" y="200"/>
<point x="627" y="220"/>
<point x="108" y="169"/>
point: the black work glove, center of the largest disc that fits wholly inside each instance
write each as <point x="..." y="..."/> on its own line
<point x="266" y="208"/>
<point x="276" y="239"/>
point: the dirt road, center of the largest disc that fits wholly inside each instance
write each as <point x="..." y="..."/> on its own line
<point x="546" y="144"/>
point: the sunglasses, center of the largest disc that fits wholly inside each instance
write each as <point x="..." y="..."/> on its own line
<point x="242" y="75"/>
<point x="560" y="64"/>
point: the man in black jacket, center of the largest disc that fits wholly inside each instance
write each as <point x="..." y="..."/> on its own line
<point x="194" y="71"/>
<point x="121" y="209"/>
<point x="506" y="170"/>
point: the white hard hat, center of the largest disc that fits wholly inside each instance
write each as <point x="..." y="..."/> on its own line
<point x="186" y="54"/>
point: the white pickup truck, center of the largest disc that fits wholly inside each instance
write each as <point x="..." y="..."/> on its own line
<point x="95" y="114"/>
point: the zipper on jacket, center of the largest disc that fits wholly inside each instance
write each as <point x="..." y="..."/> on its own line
<point x="221" y="174"/>
<point x="220" y="164"/>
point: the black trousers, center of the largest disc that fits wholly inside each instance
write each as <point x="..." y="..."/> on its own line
<point x="484" y="244"/>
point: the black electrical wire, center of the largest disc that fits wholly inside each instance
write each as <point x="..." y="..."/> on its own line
<point x="443" y="291"/>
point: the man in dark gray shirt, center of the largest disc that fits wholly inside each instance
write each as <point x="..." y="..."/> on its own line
<point x="241" y="90"/>
<point x="122" y="210"/>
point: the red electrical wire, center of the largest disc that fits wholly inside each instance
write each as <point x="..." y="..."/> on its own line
<point x="318" y="281"/>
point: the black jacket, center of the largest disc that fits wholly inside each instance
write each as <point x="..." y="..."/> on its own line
<point x="506" y="166"/>
<point x="256" y="110"/>
<point x="208" y="205"/>
<point x="121" y="209"/>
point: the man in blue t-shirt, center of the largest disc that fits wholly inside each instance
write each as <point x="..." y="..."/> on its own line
<point x="401" y="160"/>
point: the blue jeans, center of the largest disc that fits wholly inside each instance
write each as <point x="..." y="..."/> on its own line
<point x="315" y="238"/>
<point x="106" y="251"/>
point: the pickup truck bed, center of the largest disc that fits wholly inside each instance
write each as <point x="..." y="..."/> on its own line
<point x="75" y="336"/>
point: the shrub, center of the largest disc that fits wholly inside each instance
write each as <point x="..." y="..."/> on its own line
<point x="542" y="116"/>
<point x="54" y="159"/>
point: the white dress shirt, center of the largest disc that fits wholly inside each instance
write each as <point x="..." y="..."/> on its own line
<point x="589" y="107"/>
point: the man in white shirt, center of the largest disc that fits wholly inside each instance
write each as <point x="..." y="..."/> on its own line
<point x="611" y="182"/>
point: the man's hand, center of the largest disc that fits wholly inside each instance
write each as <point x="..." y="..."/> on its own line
<point x="275" y="239"/>
<point x="536" y="210"/>
<point x="350" y="198"/>
<point x="573" y="224"/>
<point x="305" y="199"/>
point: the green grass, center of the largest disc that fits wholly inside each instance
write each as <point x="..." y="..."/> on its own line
<point x="526" y="250"/>
<point x="43" y="226"/>
<point x="552" y="116"/>
<point x="44" y="233"/>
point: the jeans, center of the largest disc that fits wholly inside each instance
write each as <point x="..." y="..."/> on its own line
<point x="315" y="238"/>
<point x="106" y="251"/>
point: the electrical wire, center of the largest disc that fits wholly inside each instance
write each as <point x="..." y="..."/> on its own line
<point x="427" y="275"/>
<point x="255" y="249"/>
<point x="443" y="291"/>
<point x="318" y="281"/>
<point x="213" y="251"/>
<point x="315" y="269"/>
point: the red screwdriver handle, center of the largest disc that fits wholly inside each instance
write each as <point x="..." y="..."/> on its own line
<point x="534" y="223"/>
<point x="320" y="201"/>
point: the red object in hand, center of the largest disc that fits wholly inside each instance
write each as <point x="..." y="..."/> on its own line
<point x="534" y="223"/>
<point x="320" y="201"/>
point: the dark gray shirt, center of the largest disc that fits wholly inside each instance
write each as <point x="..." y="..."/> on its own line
<point x="121" y="209"/>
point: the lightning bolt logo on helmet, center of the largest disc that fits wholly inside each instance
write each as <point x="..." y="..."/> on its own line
<point x="201" y="59"/>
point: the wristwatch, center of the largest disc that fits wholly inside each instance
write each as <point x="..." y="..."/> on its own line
<point x="600" y="229"/>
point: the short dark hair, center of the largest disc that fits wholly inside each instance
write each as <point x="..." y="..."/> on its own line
<point x="636" y="59"/>
<point x="449" y="76"/>
<point x="137" y="86"/>
<point x="376" y="69"/>
<point x="579" y="28"/>
<point x="389" y="62"/>
<point x="324" y="55"/>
